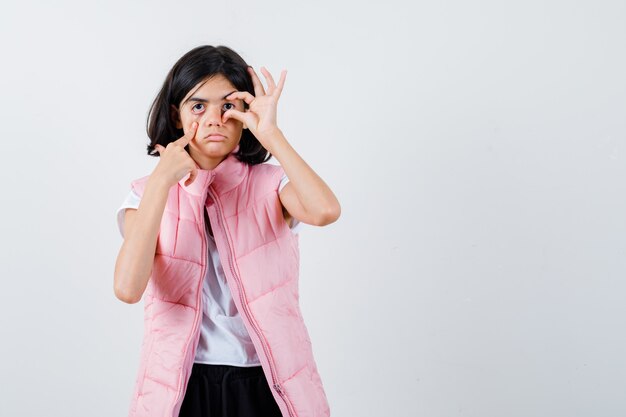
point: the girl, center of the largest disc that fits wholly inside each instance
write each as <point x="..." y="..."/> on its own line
<point x="211" y="244"/>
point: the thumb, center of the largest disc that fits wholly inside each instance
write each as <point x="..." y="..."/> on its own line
<point x="235" y="114"/>
<point x="192" y="176"/>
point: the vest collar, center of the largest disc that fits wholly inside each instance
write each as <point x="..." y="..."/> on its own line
<point x="224" y="177"/>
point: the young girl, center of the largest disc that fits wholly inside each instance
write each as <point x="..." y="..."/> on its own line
<point x="211" y="244"/>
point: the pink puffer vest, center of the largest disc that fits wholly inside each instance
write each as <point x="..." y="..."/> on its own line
<point x="261" y="262"/>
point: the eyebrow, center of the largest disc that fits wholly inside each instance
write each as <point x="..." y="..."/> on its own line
<point x="203" y="100"/>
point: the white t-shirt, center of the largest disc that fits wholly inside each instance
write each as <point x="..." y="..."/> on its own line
<point x="223" y="336"/>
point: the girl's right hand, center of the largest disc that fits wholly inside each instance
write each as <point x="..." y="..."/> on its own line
<point x="175" y="162"/>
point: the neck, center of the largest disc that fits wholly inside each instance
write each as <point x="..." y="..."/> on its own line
<point x="206" y="162"/>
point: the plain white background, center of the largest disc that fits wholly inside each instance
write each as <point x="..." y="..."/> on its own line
<point x="477" y="149"/>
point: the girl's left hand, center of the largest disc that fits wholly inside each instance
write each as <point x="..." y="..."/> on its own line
<point x="260" y="117"/>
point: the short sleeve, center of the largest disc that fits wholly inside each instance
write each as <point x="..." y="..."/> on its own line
<point x="297" y="225"/>
<point x="131" y="201"/>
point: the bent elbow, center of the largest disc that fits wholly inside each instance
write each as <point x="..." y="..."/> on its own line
<point x="124" y="296"/>
<point x="329" y="216"/>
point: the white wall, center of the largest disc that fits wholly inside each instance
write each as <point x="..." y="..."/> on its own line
<point x="477" y="149"/>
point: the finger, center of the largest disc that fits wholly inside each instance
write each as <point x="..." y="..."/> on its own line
<point x="237" y="115"/>
<point x="258" y="86"/>
<point x="270" y="80"/>
<point x="244" y="95"/>
<point x="186" y="138"/>
<point x="281" y="82"/>
<point x="192" y="176"/>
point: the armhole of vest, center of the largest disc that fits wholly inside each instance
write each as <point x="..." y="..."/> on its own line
<point x="279" y="173"/>
<point x="295" y="230"/>
<point x="138" y="185"/>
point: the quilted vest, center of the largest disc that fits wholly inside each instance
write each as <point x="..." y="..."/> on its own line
<point x="261" y="261"/>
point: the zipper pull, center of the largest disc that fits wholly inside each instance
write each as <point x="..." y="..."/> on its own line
<point x="277" y="388"/>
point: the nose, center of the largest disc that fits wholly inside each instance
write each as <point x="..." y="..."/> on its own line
<point x="212" y="116"/>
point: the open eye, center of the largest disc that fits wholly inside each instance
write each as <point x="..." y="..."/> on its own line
<point x="195" y="108"/>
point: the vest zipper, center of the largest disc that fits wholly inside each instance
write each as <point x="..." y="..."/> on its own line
<point x="275" y="384"/>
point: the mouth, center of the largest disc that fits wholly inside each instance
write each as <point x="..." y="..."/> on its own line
<point x="215" y="138"/>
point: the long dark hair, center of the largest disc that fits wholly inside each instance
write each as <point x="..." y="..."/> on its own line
<point x="195" y="66"/>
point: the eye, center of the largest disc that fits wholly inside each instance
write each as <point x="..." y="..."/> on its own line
<point x="229" y="104"/>
<point x="197" y="104"/>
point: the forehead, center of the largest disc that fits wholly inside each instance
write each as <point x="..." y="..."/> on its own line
<point x="212" y="89"/>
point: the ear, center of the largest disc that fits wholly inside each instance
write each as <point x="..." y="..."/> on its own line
<point x="175" y="117"/>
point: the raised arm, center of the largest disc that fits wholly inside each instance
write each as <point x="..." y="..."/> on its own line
<point x="133" y="266"/>
<point x="141" y="229"/>
<point x="306" y="197"/>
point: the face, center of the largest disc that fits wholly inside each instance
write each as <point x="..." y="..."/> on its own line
<point x="206" y="105"/>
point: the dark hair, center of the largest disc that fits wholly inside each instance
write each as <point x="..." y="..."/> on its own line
<point x="195" y="66"/>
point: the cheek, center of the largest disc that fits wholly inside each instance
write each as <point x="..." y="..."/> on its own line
<point x="188" y="118"/>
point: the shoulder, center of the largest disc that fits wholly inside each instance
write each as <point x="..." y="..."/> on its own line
<point x="267" y="174"/>
<point x="266" y="169"/>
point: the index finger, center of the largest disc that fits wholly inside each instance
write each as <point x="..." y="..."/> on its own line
<point x="256" y="82"/>
<point x="186" y="138"/>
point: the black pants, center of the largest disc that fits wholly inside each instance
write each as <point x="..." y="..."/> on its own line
<point x="228" y="391"/>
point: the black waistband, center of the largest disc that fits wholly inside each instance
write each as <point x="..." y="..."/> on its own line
<point x="216" y="373"/>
